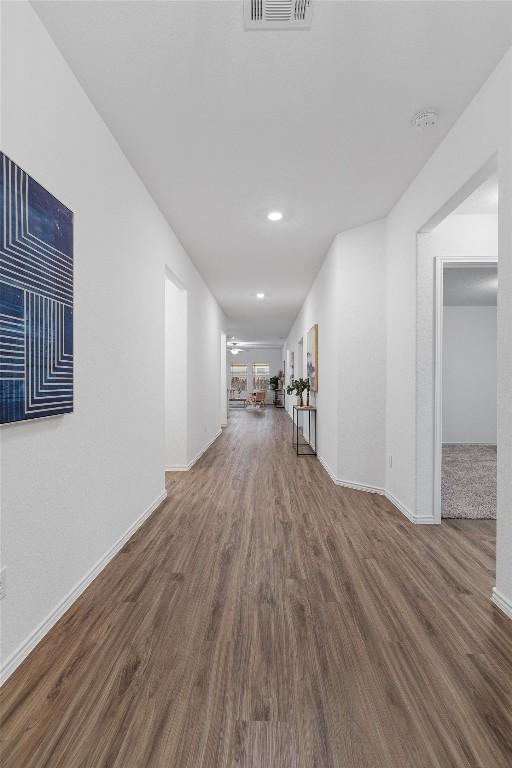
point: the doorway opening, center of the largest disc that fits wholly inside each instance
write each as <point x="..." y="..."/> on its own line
<point x="465" y="401"/>
<point x="464" y="232"/>
<point x="176" y="407"/>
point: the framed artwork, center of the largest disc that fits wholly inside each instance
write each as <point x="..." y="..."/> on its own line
<point x="291" y="366"/>
<point x="312" y="357"/>
<point x="36" y="299"/>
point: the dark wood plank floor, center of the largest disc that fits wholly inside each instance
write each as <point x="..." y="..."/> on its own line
<point x="265" y="617"/>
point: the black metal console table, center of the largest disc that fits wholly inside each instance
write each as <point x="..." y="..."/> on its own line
<point x="295" y="429"/>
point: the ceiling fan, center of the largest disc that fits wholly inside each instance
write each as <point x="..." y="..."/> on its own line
<point x="234" y="348"/>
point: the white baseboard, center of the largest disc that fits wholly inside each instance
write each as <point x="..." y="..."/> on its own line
<point x="204" y="449"/>
<point x="186" y="467"/>
<point x="348" y="483"/>
<point x="502" y="602"/>
<point x="44" y="627"/>
<point x="326" y="467"/>
<point x="416" y="519"/>
<point x="360" y="487"/>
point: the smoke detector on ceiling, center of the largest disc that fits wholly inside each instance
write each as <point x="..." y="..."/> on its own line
<point x="277" y="14"/>
<point x="425" y="119"/>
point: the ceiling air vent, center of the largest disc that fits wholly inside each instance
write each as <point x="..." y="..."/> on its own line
<point x="277" y="14"/>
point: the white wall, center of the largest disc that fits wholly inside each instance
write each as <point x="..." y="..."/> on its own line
<point x="347" y="302"/>
<point x="362" y="356"/>
<point x="72" y="485"/>
<point x="469" y="374"/>
<point x="466" y="235"/>
<point x="223" y="382"/>
<point x="321" y="306"/>
<point x="176" y="397"/>
<point x="504" y="513"/>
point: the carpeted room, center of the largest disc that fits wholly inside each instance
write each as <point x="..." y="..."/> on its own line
<point x="469" y="457"/>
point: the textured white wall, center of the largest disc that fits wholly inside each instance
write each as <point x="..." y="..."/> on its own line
<point x="362" y="356"/>
<point x="223" y="381"/>
<point x="72" y="485"/>
<point x="504" y="513"/>
<point x="469" y="374"/>
<point x="467" y="235"/>
<point x="321" y="306"/>
<point x="347" y="302"/>
<point x="176" y="397"/>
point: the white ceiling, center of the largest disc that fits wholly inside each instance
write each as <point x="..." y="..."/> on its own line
<point x="470" y="286"/>
<point x="224" y="124"/>
<point x="483" y="200"/>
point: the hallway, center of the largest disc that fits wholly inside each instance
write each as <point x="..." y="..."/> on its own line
<point x="265" y="617"/>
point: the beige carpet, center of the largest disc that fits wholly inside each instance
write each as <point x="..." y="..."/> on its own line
<point x="468" y="487"/>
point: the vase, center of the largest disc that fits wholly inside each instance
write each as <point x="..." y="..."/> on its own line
<point x="300" y="401"/>
<point x="307" y="398"/>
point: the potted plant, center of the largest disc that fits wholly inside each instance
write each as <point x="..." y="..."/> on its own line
<point x="274" y="386"/>
<point x="298" y="386"/>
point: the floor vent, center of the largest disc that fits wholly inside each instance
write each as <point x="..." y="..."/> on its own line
<point x="277" y="14"/>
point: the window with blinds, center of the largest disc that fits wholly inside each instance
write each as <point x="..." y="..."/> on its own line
<point x="239" y="377"/>
<point x="261" y="375"/>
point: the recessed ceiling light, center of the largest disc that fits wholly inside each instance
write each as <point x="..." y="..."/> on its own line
<point x="275" y="216"/>
<point x="260" y="295"/>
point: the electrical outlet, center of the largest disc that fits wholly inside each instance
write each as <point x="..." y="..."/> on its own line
<point x="390" y="461"/>
<point x="3" y="586"/>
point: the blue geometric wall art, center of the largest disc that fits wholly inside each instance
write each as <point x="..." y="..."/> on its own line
<point x="36" y="299"/>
